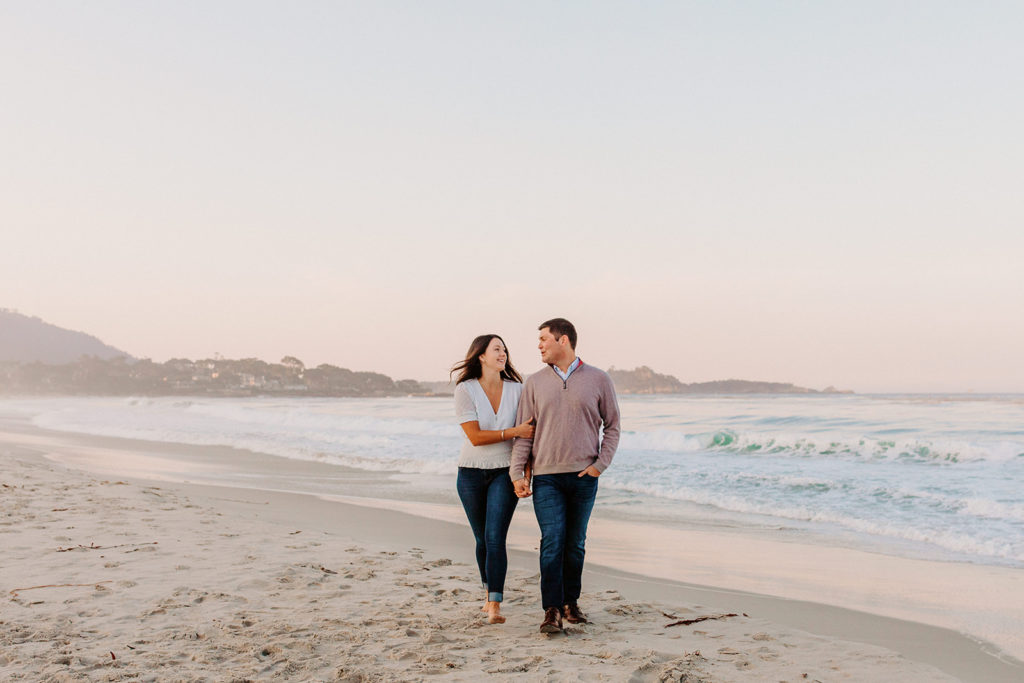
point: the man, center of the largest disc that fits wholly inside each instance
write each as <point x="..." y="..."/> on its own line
<point x="571" y="402"/>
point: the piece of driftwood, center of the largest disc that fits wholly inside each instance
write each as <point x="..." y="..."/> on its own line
<point x="93" y="546"/>
<point x="14" y="593"/>
<point x="687" y="622"/>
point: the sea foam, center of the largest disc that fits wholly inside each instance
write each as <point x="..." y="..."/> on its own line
<point x="909" y="476"/>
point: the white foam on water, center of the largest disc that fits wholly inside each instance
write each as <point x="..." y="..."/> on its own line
<point x="960" y="543"/>
<point x="946" y="474"/>
<point x="980" y="507"/>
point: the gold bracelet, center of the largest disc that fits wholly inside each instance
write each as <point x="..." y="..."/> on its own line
<point x="502" y="434"/>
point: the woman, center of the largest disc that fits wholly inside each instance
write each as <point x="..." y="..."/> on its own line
<point x="486" y="400"/>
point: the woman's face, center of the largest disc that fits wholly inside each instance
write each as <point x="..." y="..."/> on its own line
<point x="495" y="356"/>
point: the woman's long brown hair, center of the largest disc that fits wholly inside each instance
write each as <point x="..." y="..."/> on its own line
<point x="470" y="367"/>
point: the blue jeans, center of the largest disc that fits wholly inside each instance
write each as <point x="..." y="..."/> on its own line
<point x="489" y="500"/>
<point x="562" y="503"/>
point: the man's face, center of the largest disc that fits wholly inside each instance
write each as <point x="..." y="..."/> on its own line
<point x="550" y="349"/>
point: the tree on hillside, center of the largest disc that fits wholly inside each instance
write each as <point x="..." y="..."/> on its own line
<point x="293" y="364"/>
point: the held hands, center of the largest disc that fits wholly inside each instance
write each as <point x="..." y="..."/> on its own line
<point x="523" y="485"/>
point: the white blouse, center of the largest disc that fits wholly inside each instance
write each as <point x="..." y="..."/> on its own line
<point x="471" y="403"/>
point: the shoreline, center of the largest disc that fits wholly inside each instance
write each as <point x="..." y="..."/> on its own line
<point x="948" y="650"/>
<point x="962" y="655"/>
<point x="129" y="581"/>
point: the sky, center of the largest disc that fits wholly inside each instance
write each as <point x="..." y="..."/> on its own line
<point x="823" y="193"/>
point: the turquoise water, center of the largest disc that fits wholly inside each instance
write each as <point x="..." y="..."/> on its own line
<point x="921" y="476"/>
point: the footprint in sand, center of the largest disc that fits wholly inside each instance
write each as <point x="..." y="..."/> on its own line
<point x="360" y="574"/>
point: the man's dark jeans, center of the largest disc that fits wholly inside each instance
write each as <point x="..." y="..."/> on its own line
<point x="562" y="503"/>
<point x="489" y="500"/>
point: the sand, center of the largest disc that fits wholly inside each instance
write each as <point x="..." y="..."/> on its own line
<point x="124" y="578"/>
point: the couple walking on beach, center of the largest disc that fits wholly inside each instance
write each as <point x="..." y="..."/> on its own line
<point x="542" y="438"/>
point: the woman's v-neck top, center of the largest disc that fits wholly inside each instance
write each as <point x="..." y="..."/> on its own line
<point x="471" y="403"/>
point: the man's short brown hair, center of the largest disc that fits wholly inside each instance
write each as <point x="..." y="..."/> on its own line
<point x="559" y="327"/>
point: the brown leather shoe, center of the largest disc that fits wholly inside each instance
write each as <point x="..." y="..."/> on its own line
<point x="574" y="615"/>
<point x="552" y="621"/>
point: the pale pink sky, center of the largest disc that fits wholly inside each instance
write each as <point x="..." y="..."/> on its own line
<point x="821" y="194"/>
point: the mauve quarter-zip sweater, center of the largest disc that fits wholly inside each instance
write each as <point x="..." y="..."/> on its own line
<point x="570" y="414"/>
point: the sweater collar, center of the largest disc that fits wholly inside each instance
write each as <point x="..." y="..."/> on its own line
<point x="575" y="365"/>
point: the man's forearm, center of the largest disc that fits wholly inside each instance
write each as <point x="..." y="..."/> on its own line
<point x="522" y="447"/>
<point x="610" y="431"/>
<point x="520" y="455"/>
<point x="609" y="444"/>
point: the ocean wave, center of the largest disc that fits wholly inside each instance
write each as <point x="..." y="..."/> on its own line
<point x="387" y="454"/>
<point x="303" y="432"/>
<point x="322" y="421"/>
<point x="815" y="471"/>
<point x="150" y="417"/>
<point x="938" y="535"/>
<point x="800" y="445"/>
<point x="167" y="420"/>
<point x="661" y="440"/>
<point x="992" y="509"/>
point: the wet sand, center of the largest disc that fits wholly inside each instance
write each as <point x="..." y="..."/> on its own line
<point x="336" y="591"/>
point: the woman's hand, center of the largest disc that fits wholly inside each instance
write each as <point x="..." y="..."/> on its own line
<point x="524" y="430"/>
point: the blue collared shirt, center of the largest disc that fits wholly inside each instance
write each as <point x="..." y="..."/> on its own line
<point x="565" y="375"/>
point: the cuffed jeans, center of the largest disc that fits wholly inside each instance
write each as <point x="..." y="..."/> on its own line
<point x="489" y="500"/>
<point x="562" y="503"/>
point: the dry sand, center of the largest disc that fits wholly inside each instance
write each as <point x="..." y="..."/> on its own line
<point x="111" y="579"/>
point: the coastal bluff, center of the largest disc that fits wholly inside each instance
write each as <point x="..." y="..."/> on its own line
<point x="644" y="380"/>
<point x="26" y="339"/>
<point x="37" y="358"/>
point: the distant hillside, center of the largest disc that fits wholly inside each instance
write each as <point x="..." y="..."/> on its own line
<point x="91" y="376"/>
<point x="442" y="388"/>
<point x="643" y="380"/>
<point x="28" y="340"/>
<point x="37" y="357"/>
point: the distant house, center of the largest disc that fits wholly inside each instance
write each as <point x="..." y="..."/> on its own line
<point x="248" y="380"/>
